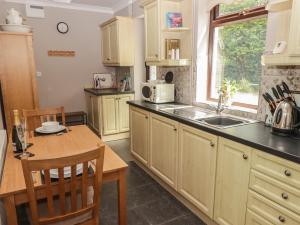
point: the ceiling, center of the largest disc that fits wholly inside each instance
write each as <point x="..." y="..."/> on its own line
<point x="103" y="6"/>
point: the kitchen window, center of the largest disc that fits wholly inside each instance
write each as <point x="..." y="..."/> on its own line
<point x="236" y="43"/>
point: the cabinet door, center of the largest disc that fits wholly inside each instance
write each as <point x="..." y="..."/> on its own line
<point x="294" y="36"/>
<point x="96" y="113"/>
<point x="139" y="133"/>
<point x="123" y="112"/>
<point x="163" y="148"/>
<point x="106" y="58"/>
<point x="152" y="31"/>
<point x="233" y="171"/>
<point x="114" y="42"/>
<point x="197" y="167"/>
<point x="109" y="112"/>
<point x="89" y="104"/>
<point x="254" y="219"/>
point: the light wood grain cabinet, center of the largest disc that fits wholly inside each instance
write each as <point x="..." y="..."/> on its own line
<point x="197" y="167"/>
<point x="117" y="42"/>
<point x="232" y="181"/>
<point x="254" y="219"/>
<point x="152" y="32"/>
<point x="139" y="134"/>
<point x="164" y="148"/>
<point x="109" y="115"/>
<point x="294" y="36"/>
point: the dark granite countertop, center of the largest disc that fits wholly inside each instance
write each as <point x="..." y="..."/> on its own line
<point x="111" y="91"/>
<point x="255" y="135"/>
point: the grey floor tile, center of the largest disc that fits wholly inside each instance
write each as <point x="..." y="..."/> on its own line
<point x="161" y="211"/>
<point x="185" y="220"/>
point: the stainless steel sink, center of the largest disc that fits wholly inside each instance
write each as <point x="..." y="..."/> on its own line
<point x="223" y="121"/>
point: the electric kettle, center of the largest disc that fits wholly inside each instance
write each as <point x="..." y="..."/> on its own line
<point x="286" y="118"/>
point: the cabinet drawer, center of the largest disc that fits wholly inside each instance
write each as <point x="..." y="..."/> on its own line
<point x="254" y="219"/>
<point x="271" y="211"/>
<point x="281" y="169"/>
<point x="276" y="191"/>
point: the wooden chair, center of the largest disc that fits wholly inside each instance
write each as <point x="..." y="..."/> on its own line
<point x="35" y="118"/>
<point x="73" y="186"/>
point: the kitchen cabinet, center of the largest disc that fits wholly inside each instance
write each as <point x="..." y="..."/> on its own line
<point x="17" y="74"/>
<point x="294" y="36"/>
<point x="197" y="167"/>
<point x="117" y="42"/>
<point x="157" y="32"/>
<point x="139" y="129"/>
<point x="254" y="219"/>
<point x="163" y="148"/>
<point x="232" y="180"/>
<point x="152" y="49"/>
<point x="108" y="115"/>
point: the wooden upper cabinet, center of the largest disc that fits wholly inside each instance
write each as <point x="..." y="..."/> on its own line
<point x="17" y="73"/>
<point x="294" y="37"/>
<point x="232" y="181"/>
<point x="164" y="148"/>
<point x="197" y="167"/>
<point x="117" y="42"/>
<point x="139" y="133"/>
<point x="152" y="32"/>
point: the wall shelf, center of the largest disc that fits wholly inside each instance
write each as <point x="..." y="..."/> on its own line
<point x="170" y="62"/>
<point x="177" y="29"/>
<point x="280" y="60"/>
<point x="279" y="5"/>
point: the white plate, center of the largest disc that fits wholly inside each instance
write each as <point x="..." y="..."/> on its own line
<point x="67" y="172"/>
<point x="15" y="28"/>
<point x="43" y="131"/>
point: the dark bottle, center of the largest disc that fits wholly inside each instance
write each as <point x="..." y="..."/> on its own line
<point x="17" y="145"/>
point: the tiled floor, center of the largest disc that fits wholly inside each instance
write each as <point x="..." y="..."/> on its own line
<point x="147" y="202"/>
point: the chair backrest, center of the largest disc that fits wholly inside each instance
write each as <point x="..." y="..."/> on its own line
<point x="59" y="188"/>
<point x="34" y="118"/>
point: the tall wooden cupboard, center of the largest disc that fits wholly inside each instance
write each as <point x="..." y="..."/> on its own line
<point x="17" y="73"/>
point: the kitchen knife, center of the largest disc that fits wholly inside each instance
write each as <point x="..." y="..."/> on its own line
<point x="280" y="92"/>
<point x="275" y="93"/>
<point x="289" y="93"/>
<point x="271" y="99"/>
<point x="271" y="106"/>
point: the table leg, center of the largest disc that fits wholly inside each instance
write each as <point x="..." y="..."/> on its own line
<point x="11" y="213"/>
<point x="122" y="198"/>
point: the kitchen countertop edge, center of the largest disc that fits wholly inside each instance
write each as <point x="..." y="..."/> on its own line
<point x="102" y="92"/>
<point x="222" y="132"/>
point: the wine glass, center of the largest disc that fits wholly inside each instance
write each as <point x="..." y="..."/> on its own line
<point x="22" y="135"/>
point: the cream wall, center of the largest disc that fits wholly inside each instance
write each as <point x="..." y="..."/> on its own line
<point x="63" y="79"/>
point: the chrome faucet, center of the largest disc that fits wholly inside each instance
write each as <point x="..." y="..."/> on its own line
<point x="220" y="108"/>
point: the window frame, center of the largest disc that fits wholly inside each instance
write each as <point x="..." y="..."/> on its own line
<point x="218" y="21"/>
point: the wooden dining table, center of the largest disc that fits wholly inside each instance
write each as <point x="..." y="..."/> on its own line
<point x="77" y="140"/>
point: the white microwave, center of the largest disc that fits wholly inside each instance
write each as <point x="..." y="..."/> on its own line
<point x="158" y="92"/>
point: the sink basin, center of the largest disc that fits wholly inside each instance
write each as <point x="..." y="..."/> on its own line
<point x="223" y="121"/>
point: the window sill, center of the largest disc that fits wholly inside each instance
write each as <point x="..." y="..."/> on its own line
<point x="235" y="110"/>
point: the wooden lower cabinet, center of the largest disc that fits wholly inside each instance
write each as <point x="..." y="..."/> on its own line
<point x="197" y="167"/>
<point x="139" y="134"/>
<point x="233" y="169"/>
<point x="254" y="219"/>
<point x="123" y="112"/>
<point x="109" y="110"/>
<point x="163" y="148"/>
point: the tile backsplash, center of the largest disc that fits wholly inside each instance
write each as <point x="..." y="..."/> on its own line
<point x="270" y="77"/>
<point x="275" y="75"/>
<point x="182" y="80"/>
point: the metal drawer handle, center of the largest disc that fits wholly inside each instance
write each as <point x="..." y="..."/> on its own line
<point x="245" y="156"/>
<point x="212" y="144"/>
<point x="175" y="129"/>
<point x="287" y="173"/>
<point x="281" y="219"/>
<point x="284" y="196"/>
<point x="146" y="117"/>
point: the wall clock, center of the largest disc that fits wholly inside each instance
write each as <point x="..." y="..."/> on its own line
<point x="62" y="27"/>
